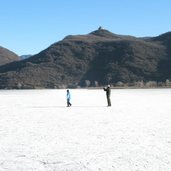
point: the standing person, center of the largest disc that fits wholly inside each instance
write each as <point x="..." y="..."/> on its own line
<point x="68" y="96"/>
<point x="108" y="92"/>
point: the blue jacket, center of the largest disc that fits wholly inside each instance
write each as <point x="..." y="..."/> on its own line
<point x="68" y="95"/>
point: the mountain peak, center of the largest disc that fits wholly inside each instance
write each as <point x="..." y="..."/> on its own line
<point x="106" y="34"/>
<point x="102" y="32"/>
<point x="98" y="35"/>
<point x="7" y="56"/>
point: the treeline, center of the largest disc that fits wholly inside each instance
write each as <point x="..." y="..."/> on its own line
<point x="120" y="84"/>
<point x="142" y="84"/>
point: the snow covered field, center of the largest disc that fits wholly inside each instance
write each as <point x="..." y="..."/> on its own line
<point x="39" y="133"/>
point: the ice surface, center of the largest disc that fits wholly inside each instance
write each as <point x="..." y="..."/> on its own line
<point x="39" y="133"/>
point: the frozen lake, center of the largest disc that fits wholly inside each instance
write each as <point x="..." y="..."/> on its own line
<point x="39" y="133"/>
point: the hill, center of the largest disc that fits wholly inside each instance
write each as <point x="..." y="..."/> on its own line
<point x="6" y="56"/>
<point x="99" y="57"/>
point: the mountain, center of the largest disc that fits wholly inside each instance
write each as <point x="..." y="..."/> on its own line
<point x="100" y="56"/>
<point x="6" y="56"/>
<point x="165" y="64"/>
<point x="25" y="56"/>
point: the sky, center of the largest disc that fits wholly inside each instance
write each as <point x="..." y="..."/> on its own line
<point x="30" y="26"/>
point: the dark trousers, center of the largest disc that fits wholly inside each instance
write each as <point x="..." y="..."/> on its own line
<point x="108" y="101"/>
<point x="68" y="103"/>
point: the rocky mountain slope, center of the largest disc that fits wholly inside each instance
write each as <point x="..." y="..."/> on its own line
<point x="99" y="56"/>
<point x="6" y="56"/>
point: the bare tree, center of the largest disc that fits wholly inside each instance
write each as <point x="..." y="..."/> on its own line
<point x="96" y="83"/>
<point x="87" y="83"/>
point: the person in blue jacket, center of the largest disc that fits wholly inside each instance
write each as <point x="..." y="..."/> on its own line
<point x="68" y="98"/>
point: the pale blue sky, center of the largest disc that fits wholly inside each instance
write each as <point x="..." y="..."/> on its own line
<point x="30" y="26"/>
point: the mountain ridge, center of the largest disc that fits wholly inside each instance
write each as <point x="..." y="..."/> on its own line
<point x="7" y="56"/>
<point x="98" y="57"/>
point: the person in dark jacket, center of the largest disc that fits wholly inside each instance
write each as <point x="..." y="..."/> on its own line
<point x="108" y="92"/>
<point x="68" y="96"/>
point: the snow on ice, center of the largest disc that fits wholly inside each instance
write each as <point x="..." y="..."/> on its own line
<point x="39" y="133"/>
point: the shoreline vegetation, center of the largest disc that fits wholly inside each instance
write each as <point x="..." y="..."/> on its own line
<point x="121" y="85"/>
<point x="88" y="85"/>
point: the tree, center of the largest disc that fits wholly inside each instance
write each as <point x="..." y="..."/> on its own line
<point x="96" y="83"/>
<point x="19" y="85"/>
<point x="87" y="83"/>
<point x="100" y="28"/>
<point x="168" y="83"/>
<point x="151" y="84"/>
<point x="120" y="84"/>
